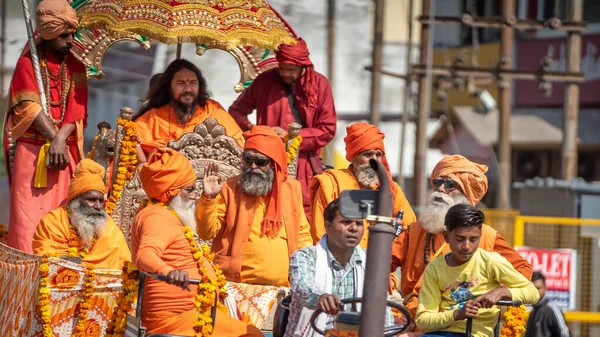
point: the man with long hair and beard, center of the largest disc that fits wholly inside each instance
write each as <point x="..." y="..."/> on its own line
<point x="162" y="242"/>
<point x="256" y="220"/>
<point x="176" y="102"/>
<point x="455" y="180"/>
<point x="81" y="228"/>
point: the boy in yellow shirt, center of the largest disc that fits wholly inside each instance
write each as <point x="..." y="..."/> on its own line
<point x="467" y="281"/>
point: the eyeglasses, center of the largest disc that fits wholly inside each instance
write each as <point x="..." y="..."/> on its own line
<point x="448" y="183"/>
<point x="260" y="162"/>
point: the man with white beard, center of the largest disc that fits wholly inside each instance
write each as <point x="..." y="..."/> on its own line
<point x="454" y="180"/>
<point x="82" y="228"/>
<point x="255" y="220"/>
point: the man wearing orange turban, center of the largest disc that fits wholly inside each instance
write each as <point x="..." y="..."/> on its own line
<point x="51" y="141"/>
<point x="162" y="242"/>
<point x="81" y="228"/>
<point x="455" y="180"/>
<point x="293" y="92"/>
<point x="256" y="220"/>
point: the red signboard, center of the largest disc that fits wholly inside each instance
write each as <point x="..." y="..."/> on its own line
<point x="559" y="266"/>
<point x="529" y="54"/>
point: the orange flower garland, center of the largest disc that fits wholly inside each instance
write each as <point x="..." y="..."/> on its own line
<point x="293" y="149"/>
<point x="3" y="233"/>
<point x="73" y="249"/>
<point x="91" y="153"/>
<point x="129" y="284"/>
<point x="514" y="321"/>
<point x="127" y="162"/>
<point x="84" y="304"/>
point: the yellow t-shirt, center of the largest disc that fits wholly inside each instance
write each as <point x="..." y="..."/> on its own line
<point x="444" y="286"/>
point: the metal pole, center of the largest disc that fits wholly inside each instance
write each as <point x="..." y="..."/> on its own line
<point x="407" y="92"/>
<point x="3" y="41"/>
<point x="34" y="55"/>
<point x="504" y="105"/>
<point x="571" y="107"/>
<point x="425" y="57"/>
<point x="331" y="43"/>
<point x="377" y="59"/>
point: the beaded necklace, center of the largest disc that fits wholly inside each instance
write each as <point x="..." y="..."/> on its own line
<point x="429" y="246"/>
<point x="63" y="84"/>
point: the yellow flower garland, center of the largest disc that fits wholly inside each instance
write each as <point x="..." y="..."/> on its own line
<point x="130" y="277"/>
<point x="514" y="321"/>
<point x="293" y="149"/>
<point x="73" y="249"/>
<point x="44" y="297"/>
<point x="91" y="153"/>
<point x="127" y="162"/>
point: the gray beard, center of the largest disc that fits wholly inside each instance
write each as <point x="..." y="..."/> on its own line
<point x="88" y="221"/>
<point x="186" y="211"/>
<point x="366" y="176"/>
<point x="183" y="111"/>
<point x="257" y="183"/>
<point x="434" y="215"/>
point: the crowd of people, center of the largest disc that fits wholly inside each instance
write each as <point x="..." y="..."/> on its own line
<point x="265" y="227"/>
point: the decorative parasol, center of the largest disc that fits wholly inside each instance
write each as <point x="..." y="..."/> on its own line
<point x="228" y="23"/>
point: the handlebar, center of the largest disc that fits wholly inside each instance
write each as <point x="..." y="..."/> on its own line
<point x="506" y="303"/>
<point x="164" y="278"/>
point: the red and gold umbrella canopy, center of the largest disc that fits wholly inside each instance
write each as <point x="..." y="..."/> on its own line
<point x="218" y="22"/>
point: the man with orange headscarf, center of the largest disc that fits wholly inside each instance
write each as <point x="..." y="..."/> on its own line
<point x="256" y="220"/>
<point x="455" y="180"/>
<point x="363" y="142"/>
<point x="47" y="146"/>
<point x="81" y="228"/>
<point x="293" y="92"/>
<point x="162" y="242"/>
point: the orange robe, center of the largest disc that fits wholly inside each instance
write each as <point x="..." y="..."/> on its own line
<point x="408" y="253"/>
<point x="157" y="127"/>
<point x="52" y="236"/>
<point x="328" y="186"/>
<point x="158" y="245"/>
<point x="233" y="221"/>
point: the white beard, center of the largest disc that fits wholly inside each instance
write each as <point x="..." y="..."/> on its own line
<point x="434" y="215"/>
<point x="366" y="176"/>
<point x="88" y="222"/>
<point x="186" y="211"/>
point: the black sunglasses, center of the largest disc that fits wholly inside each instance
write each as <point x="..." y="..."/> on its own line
<point x="448" y="183"/>
<point x="260" y="162"/>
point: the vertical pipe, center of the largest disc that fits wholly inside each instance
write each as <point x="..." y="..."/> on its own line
<point x="504" y="104"/>
<point x="407" y="92"/>
<point x="331" y="44"/>
<point x="425" y="57"/>
<point x="571" y="107"/>
<point x="3" y="53"/>
<point x="377" y="59"/>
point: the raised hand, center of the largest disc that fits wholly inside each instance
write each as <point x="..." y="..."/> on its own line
<point x="212" y="183"/>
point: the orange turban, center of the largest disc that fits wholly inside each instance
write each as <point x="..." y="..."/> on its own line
<point x="470" y="176"/>
<point x="165" y="174"/>
<point x="54" y="17"/>
<point x="88" y="176"/>
<point x="264" y="140"/>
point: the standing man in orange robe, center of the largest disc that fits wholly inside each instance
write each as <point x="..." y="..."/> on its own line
<point x="83" y="221"/>
<point x="176" y="103"/>
<point x="159" y="245"/>
<point x="47" y="146"/>
<point x="363" y="142"/>
<point x="256" y="220"/>
<point x="455" y="180"/>
<point x="293" y="92"/>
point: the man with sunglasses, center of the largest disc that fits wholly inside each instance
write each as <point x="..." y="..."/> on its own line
<point x="47" y="143"/>
<point x="454" y="180"/>
<point x="256" y="220"/>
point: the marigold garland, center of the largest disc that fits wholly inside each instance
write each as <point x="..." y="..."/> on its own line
<point x="91" y="153"/>
<point x="44" y="297"/>
<point x="130" y="277"/>
<point x="3" y="233"/>
<point x="73" y="249"/>
<point x="127" y="162"/>
<point x="293" y="147"/>
<point x="514" y="321"/>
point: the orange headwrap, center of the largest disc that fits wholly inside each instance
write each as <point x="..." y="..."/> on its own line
<point x="53" y="17"/>
<point x="470" y="176"/>
<point x="362" y="137"/>
<point x="264" y="140"/>
<point x="88" y="176"/>
<point x="165" y="174"/>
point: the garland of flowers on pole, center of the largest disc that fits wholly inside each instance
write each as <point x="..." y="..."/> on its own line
<point x="127" y="162"/>
<point x="293" y="148"/>
<point x="130" y="279"/>
<point x="44" y="297"/>
<point x="514" y="321"/>
<point x="91" y="153"/>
